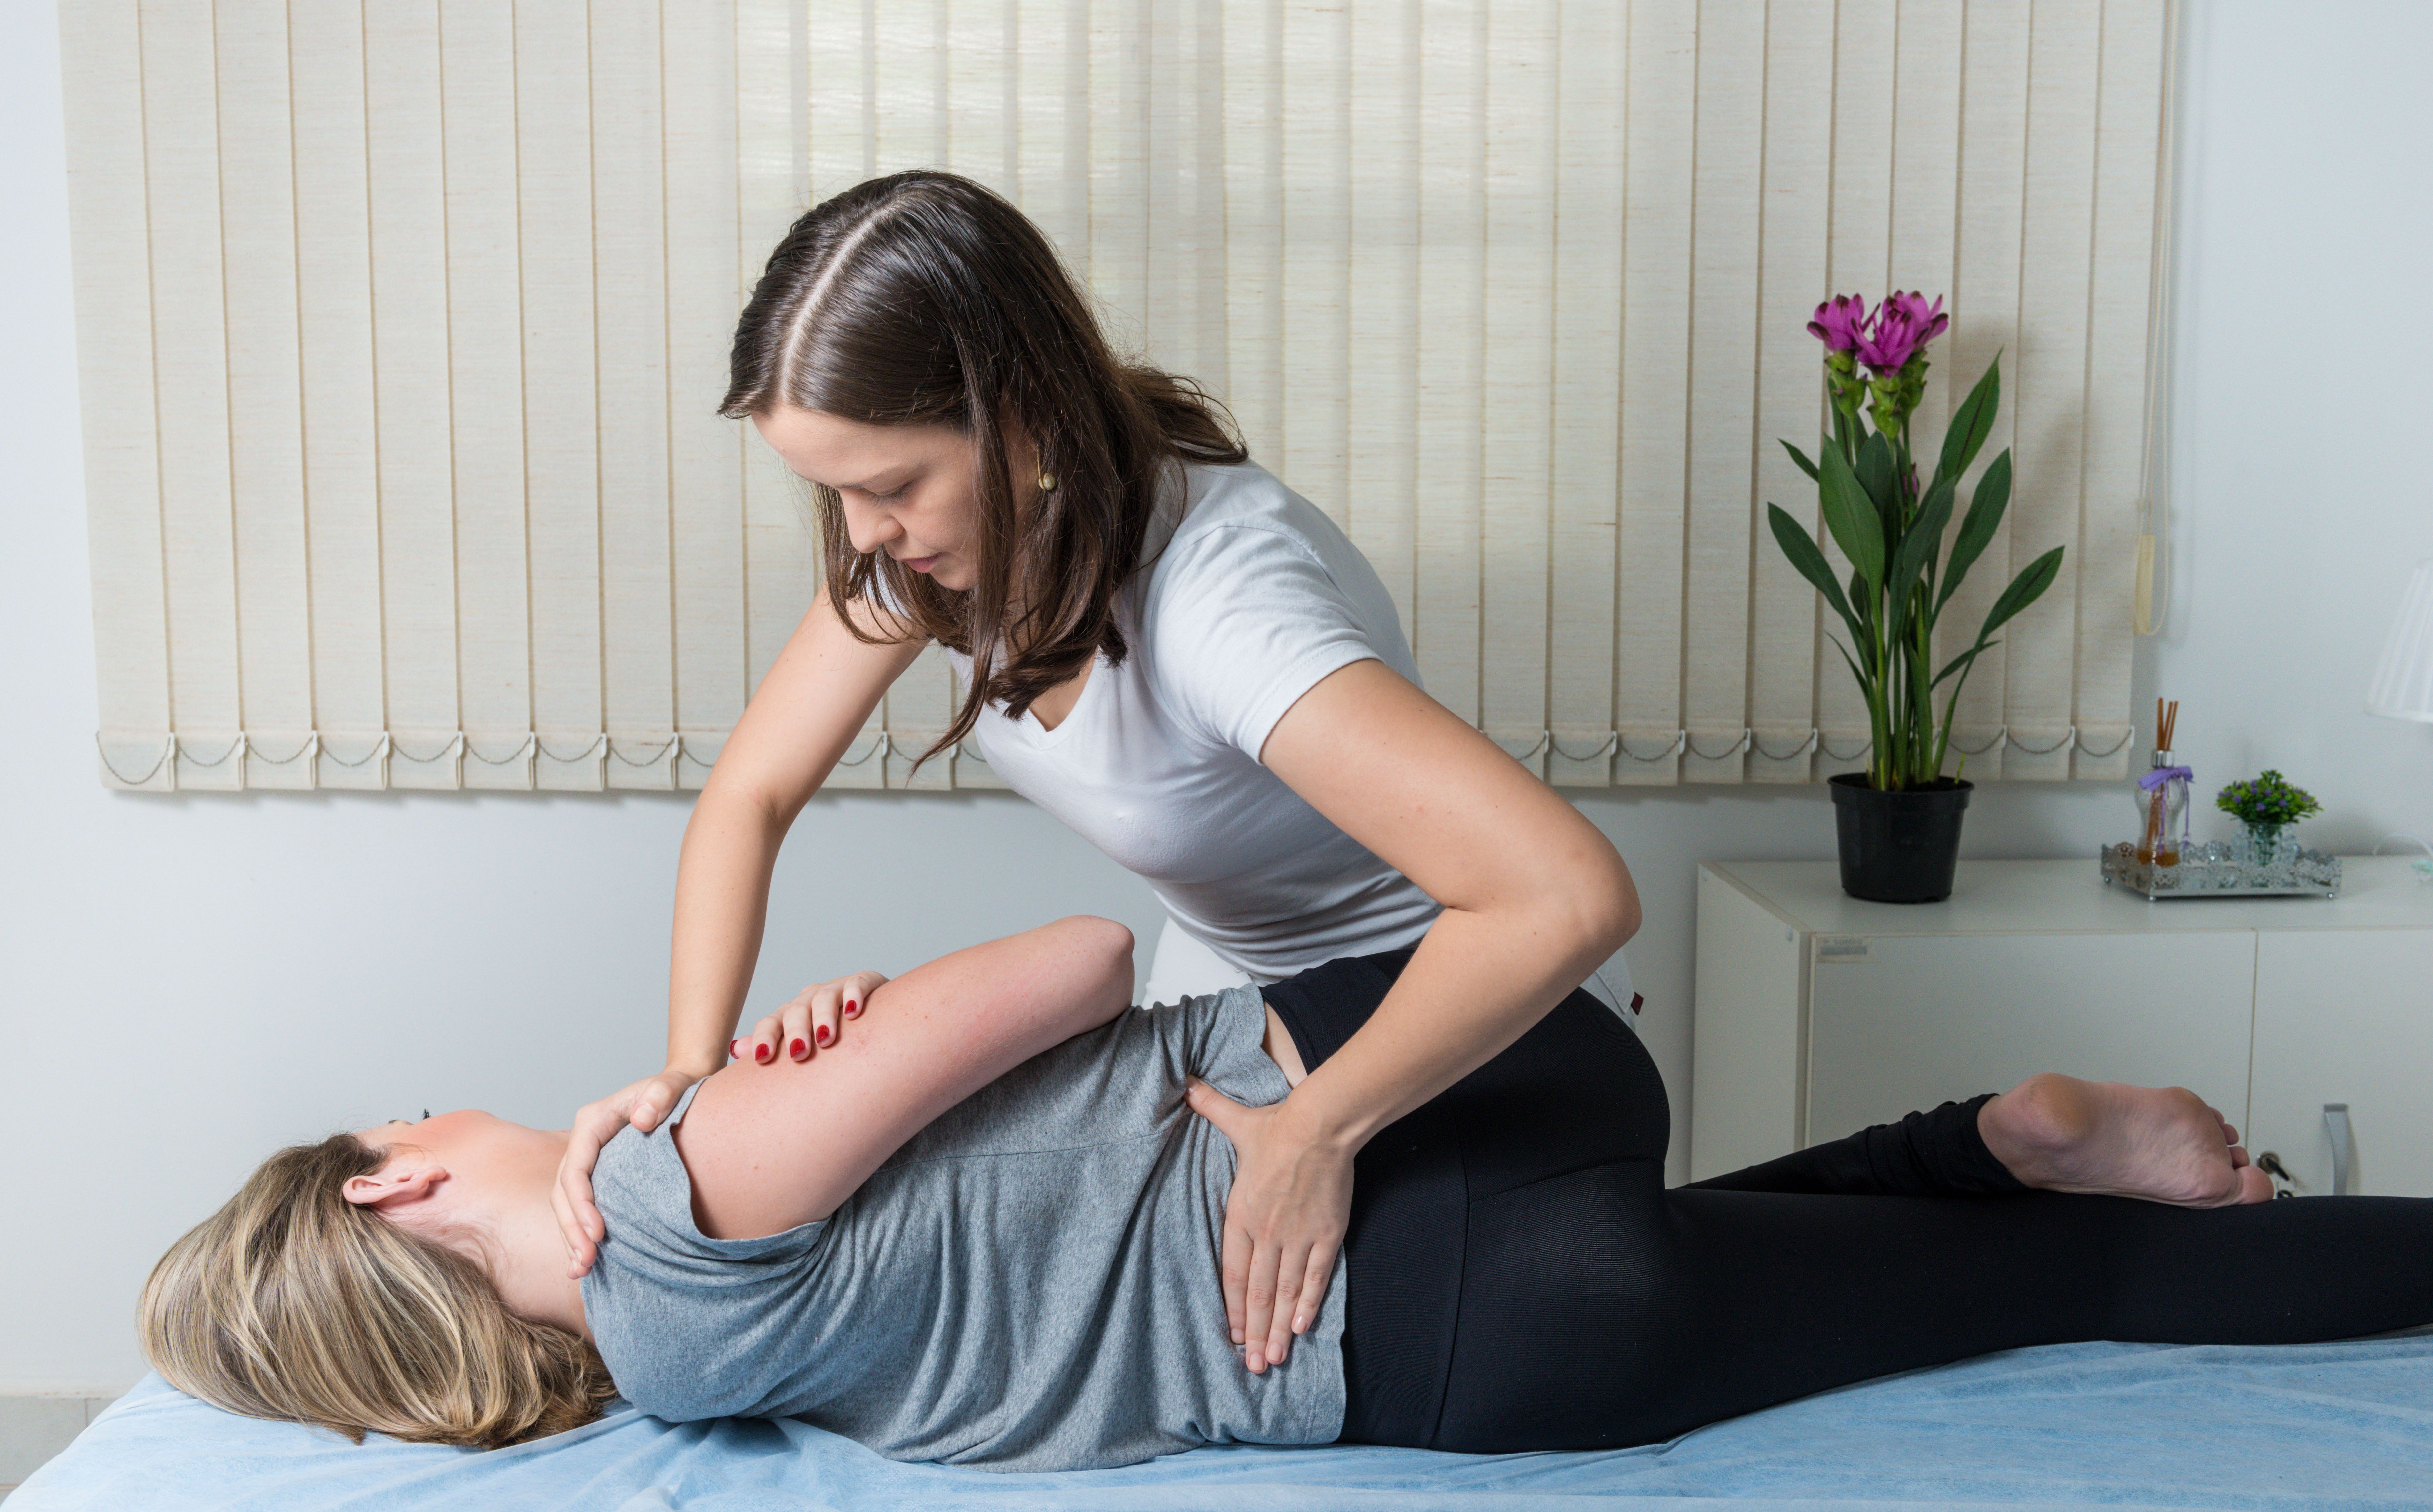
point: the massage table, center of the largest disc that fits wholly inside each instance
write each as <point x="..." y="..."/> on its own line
<point x="2345" y="1425"/>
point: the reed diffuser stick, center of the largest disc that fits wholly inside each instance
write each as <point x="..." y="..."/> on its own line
<point x="2156" y="844"/>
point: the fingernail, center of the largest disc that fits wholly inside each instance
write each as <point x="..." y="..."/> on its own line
<point x="851" y="1008"/>
<point x="801" y="1049"/>
<point x="761" y="1052"/>
<point x="732" y="1053"/>
<point x="824" y="1034"/>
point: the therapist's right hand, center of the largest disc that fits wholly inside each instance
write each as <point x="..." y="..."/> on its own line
<point x="643" y="1104"/>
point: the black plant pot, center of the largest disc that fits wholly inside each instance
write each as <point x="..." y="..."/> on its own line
<point x="1898" y="847"/>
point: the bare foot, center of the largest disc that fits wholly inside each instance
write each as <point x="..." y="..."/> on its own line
<point x="2162" y="1143"/>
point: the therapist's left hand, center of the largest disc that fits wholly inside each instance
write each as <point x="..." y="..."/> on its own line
<point x="812" y="1022"/>
<point x="1284" y="1221"/>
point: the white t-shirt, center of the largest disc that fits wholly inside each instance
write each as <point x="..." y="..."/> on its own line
<point x="1254" y="598"/>
<point x="1251" y="598"/>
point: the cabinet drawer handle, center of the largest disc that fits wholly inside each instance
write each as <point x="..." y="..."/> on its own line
<point x="2336" y="1124"/>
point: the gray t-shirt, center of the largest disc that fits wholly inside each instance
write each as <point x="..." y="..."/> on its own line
<point x="1029" y="1283"/>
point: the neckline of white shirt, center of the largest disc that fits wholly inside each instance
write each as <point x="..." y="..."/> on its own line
<point x="1166" y="520"/>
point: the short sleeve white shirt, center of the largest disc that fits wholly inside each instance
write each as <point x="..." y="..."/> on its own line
<point x="1251" y="598"/>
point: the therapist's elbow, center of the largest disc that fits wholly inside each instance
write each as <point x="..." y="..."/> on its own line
<point x="1597" y="902"/>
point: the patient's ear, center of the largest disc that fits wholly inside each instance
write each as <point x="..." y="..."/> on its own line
<point x="405" y="1178"/>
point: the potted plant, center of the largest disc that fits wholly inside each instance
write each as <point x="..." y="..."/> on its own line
<point x="2267" y="806"/>
<point x="1899" y="821"/>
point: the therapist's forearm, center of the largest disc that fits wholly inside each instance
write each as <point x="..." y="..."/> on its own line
<point x="730" y="849"/>
<point x="1477" y="982"/>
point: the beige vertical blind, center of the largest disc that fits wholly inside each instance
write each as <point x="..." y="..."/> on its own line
<point x="403" y="325"/>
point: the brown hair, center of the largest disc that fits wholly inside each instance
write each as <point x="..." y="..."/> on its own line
<point x="293" y="1303"/>
<point x="923" y="298"/>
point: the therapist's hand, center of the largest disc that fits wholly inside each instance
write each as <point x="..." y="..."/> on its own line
<point x="643" y="1104"/>
<point x="1284" y="1221"/>
<point x="811" y="1023"/>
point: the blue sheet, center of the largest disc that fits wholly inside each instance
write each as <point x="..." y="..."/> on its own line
<point x="2317" y="1426"/>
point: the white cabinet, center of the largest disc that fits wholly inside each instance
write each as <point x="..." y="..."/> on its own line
<point x="2346" y="1016"/>
<point x="1818" y="1015"/>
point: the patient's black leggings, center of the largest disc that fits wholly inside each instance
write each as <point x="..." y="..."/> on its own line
<point x="1519" y="1277"/>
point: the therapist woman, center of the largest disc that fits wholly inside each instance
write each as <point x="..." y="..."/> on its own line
<point x="1161" y="645"/>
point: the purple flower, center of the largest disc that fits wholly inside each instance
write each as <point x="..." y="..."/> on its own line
<point x="1841" y="322"/>
<point x="1902" y="324"/>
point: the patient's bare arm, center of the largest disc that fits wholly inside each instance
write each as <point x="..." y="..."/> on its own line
<point x="772" y="1147"/>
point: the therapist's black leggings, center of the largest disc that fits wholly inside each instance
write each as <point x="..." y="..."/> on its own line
<point x="1519" y="1277"/>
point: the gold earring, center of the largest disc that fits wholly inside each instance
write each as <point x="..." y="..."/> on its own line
<point x="1048" y="483"/>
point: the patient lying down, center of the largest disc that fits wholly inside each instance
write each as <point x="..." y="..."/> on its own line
<point x="986" y="1230"/>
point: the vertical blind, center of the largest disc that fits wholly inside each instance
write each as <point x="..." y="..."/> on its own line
<point x="403" y="325"/>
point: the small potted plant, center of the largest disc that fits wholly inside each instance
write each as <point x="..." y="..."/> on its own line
<point x="2268" y="805"/>
<point x="1899" y="821"/>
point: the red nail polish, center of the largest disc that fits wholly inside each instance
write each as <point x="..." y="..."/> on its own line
<point x="732" y="1053"/>
<point x="825" y="1034"/>
<point x="799" y="1049"/>
<point x="851" y="1008"/>
<point x="761" y="1052"/>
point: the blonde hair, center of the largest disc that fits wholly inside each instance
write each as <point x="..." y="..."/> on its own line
<point x="293" y="1303"/>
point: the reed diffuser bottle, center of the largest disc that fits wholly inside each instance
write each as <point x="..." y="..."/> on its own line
<point x="2163" y="795"/>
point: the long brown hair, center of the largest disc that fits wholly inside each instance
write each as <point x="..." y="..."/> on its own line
<point x="293" y="1303"/>
<point x="923" y="298"/>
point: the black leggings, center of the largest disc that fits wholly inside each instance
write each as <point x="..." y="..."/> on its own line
<point x="1519" y="1278"/>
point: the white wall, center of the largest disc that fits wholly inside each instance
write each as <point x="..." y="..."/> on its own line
<point x="185" y="981"/>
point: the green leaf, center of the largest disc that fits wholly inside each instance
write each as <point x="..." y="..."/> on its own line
<point x="1809" y="561"/>
<point x="1801" y="458"/>
<point x="1971" y="423"/>
<point x="1863" y="618"/>
<point x="1962" y="660"/>
<point x="2024" y="590"/>
<point x="1866" y="690"/>
<point x="1977" y="527"/>
<point x="1916" y="548"/>
<point x="1850" y="514"/>
<point x="1876" y="476"/>
<point x="1947" y="492"/>
<point x="1943" y="494"/>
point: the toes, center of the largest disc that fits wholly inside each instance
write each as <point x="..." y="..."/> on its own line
<point x="2253" y="1185"/>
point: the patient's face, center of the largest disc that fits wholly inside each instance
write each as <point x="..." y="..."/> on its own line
<point x="457" y="1169"/>
<point x="908" y="490"/>
<point x="466" y="1135"/>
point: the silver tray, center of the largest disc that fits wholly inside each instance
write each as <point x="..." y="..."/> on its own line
<point x="2225" y="870"/>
